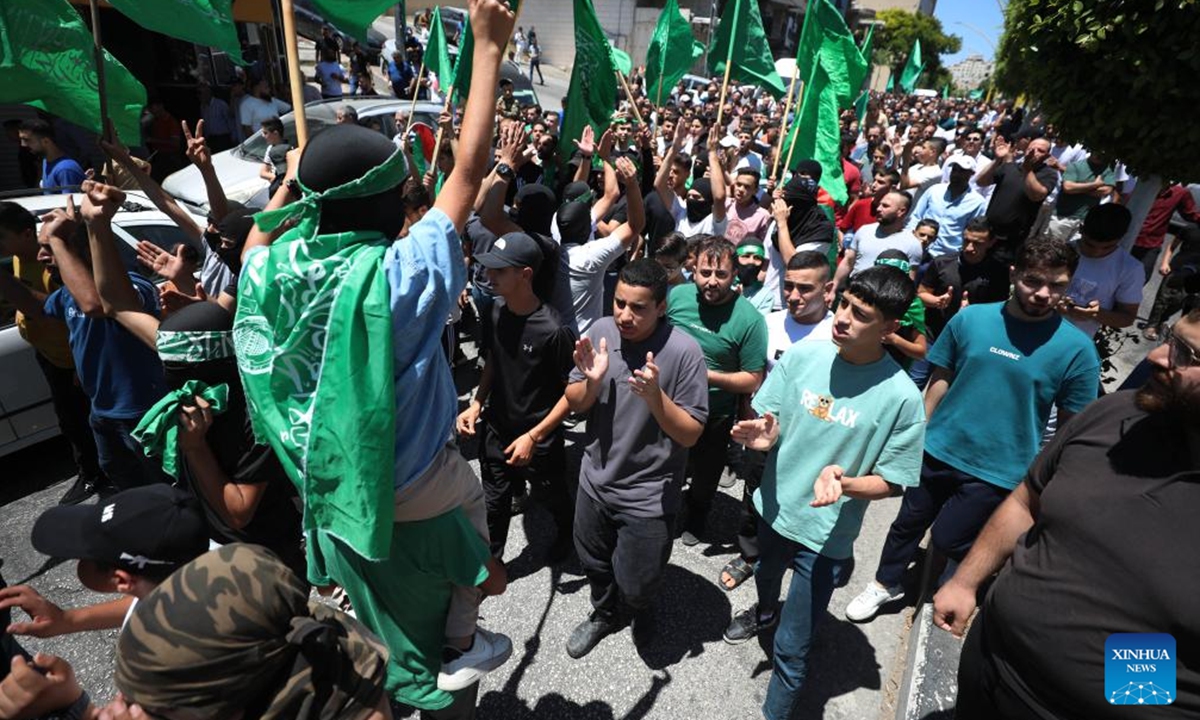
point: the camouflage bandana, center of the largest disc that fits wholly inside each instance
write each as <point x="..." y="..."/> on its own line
<point x="194" y="346"/>
<point x="233" y="632"/>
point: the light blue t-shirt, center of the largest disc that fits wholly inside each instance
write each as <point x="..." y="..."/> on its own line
<point x="869" y="419"/>
<point x="426" y="274"/>
<point x="1008" y="373"/>
<point x="951" y="214"/>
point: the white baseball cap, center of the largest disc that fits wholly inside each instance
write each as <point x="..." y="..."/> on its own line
<point x="966" y="162"/>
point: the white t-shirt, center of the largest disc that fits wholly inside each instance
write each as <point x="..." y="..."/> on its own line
<point x="868" y="243"/>
<point x="254" y="110"/>
<point x="587" y="264"/>
<point x="925" y="177"/>
<point x="687" y="228"/>
<point x="1111" y="280"/>
<point x="784" y="332"/>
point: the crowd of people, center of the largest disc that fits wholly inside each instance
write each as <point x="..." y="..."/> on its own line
<point x="277" y="421"/>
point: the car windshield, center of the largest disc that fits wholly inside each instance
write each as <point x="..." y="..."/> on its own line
<point x="255" y="146"/>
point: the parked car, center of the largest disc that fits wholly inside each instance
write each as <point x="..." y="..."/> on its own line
<point x="309" y="24"/>
<point x="26" y="413"/>
<point x="237" y="168"/>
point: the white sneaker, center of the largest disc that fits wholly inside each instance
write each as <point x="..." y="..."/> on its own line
<point x="489" y="651"/>
<point x="870" y="600"/>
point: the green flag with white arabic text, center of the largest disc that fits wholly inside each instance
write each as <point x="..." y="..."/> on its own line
<point x="437" y="53"/>
<point x="47" y="60"/>
<point x="672" y="50"/>
<point x="741" y="41"/>
<point x="204" y="22"/>
<point x="593" y="91"/>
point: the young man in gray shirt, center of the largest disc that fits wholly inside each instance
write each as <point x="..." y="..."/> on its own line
<point x="644" y="385"/>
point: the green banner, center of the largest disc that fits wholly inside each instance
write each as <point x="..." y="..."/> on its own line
<point x="437" y="52"/>
<point x="672" y="51"/>
<point x="204" y="22"/>
<point x="742" y="42"/>
<point x="593" y="91"/>
<point x="47" y="60"/>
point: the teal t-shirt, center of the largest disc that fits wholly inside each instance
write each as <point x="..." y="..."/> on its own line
<point x="869" y="419"/>
<point x="1008" y="373"/>
<point x="733" y="337"/>
<point x="1077" y="206"/>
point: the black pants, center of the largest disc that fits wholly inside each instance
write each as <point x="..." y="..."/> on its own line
<point x="546" y="473"/>
<point x="1167" y="302"/>
<point x="753" y="462"/>
<point x="1149" y="257"/>
<point x="72" y="406"/>
<point x="623" y="556"/>
<point x="982" y="692"/>
<point x="956" y="504"/>
<point x="706" y="462"/>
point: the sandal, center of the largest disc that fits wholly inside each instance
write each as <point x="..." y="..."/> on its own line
<point x="737" y="570"/>
<point x="1151" y="333"/>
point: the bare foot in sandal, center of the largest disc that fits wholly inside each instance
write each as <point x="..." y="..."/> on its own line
<point x="736" y="572"/>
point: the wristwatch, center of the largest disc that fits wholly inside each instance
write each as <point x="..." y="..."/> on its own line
<point x="75" y="711"/>
<point x="505" y="171"/>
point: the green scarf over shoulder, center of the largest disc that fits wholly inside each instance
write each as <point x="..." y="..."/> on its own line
<point x="313" y="335"/>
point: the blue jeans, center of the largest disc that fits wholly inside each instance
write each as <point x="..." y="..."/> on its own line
<point x="920" y="371"/>
<point x="121" y="457"/>
<point x="814" y="576"/>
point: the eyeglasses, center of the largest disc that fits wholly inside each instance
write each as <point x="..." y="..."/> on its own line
<point x="1182" y="355"/>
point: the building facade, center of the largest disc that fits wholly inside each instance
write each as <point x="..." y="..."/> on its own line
<point x="971" y="72"/>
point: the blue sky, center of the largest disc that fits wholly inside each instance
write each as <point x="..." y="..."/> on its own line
<point x="973" y="21"/>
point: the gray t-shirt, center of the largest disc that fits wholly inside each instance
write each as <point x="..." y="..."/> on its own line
<point x="869" y="242"/>
<point x="630" y="464"/>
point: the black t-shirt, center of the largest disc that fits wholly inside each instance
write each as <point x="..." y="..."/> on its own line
<point x="531" y="356"/>
<point x="276" y="524"/>
<point x="481" y="240"/>
<point x="1113" y="550"/>
<point x="1010" y="210"/>
<point x="984" y="282"/>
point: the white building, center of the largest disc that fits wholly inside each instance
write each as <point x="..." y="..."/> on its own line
<point x="971" y="71"/>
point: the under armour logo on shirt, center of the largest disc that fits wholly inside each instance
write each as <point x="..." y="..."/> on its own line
<point x="528" y="348"/>
<point x="107" y="513"/>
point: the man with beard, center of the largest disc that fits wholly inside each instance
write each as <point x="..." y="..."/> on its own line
<point x="887" y="234"/>
<point x="259" y="105"/>
<point x="1096" y="535"/>
<point x="1021" y="186"/>
<point x="58" y="170"/>
<point x="865" y="210"/>
<point x="1022" y="358"/>
<point x="733" y="336"/>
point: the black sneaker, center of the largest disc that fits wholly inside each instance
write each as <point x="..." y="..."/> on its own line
<point x="588" y="634"/>
<point x="83" y="489"/>
<point x="747" y="624"/>
<point x="519" y="502"/>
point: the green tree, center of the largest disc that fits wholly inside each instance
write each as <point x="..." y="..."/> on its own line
<point x="894" y="40"/>
<point x="1119" y="76"/>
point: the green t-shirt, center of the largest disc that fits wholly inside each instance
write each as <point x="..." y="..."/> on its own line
<point x="1077" y="206"/>
<point x="405" y="599"/>
<point x="869" y="419"/>
<point x="733" y="337"/>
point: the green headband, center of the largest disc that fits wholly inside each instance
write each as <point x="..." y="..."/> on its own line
<point x="194" y="346"/>
<point x="758" y="250"/>
<point x="307" y="210"/>
<point x="899" y="264"/>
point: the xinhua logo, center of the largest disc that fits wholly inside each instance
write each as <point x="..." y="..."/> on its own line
<point x="1139" y="669"/>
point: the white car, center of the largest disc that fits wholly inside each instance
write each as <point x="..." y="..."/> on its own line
<point x="26" y="413"/>
<point x="237" y="168"/>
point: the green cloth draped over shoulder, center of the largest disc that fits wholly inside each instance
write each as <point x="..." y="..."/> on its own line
<point x="158" y="432"/>
<point x="313" y="335"/>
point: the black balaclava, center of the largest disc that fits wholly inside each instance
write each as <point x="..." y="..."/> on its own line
<point x="534" y="208"/>
<point x="343" y="153"/>
<point x="235" y="226"/>
<point x="697" y="210"/>
<point x="659" y="221"/>
<point x="575" y="223"/>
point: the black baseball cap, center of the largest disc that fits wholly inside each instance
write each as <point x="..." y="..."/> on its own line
<point x="514" y="249"/>
<point x="155" y="527"/>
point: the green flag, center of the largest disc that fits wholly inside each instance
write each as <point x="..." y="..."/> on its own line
<point x="593" y="91"/>
<point x="975" y="94"/>
<point x="856" y="83"/>
<point x="623" y="62"/>
<point x="912" y="69"/>
<point x="742" y="42"/>
<point x="945" y="91"/>
<point x="47" y="60"/>
<point x="204" y="22"/>
<point x="462" y="66"/>
<point x="891" y="86"/>
<point x="671" y="52"/>
<point x="352" y="16"/>
<point x="437" y="53"/>
<point x="816" y="133"/>
<point x="860" y="106"/>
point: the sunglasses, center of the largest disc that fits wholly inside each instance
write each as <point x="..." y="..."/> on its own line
<point x="1182" y="355"/>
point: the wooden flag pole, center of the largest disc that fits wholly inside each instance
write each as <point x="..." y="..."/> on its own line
<point x="799" y="107"/>
<point x="632" y="100"/>
<point x="98" y="52"/>
<point x="295" y="76"/>
<point x="724" y="89"/>
<point x="737" y="11"/>
<point x="437" y="142"/>
<point x="412" y="109"/>
<point x="783" y="127"/>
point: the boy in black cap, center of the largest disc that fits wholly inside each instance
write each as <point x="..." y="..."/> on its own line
<point x="127" y="543"/>
<point x="528" y="359"/>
